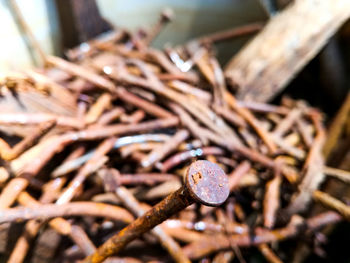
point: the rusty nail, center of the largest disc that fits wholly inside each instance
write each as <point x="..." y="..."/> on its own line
<point x="205" y="182"/>
<point x="166" y="16"/>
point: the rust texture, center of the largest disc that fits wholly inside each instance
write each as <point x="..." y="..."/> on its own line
<point x="210" y="188"/>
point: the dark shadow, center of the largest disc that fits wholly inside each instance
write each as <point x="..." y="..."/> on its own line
<point x="79" y="21"/>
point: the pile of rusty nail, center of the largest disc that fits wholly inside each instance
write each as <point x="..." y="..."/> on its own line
<point x="90" y="143"/>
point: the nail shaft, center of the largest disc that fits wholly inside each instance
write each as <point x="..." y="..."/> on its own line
<point x="205" y="183"/>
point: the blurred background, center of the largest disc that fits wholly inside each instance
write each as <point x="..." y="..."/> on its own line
<point x="56" y="29"/>
<point x="193" y="18"/>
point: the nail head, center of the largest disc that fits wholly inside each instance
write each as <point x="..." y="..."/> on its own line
<point x="207" y="183"/>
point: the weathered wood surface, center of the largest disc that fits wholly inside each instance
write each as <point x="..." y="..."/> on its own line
<point x="287" y="43"/>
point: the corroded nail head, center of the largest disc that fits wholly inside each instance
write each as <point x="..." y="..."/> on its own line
<point x="207" y="183"/>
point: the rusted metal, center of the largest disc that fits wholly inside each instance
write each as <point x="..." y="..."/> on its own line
<point x="205" y="182"/>
<point x="73" y="208"/>
<point x="219" y="242"/>
<point x="171" y="109"/>
<point x="333" y="203"/>
<point x="166" y="16"/>
<point x="8" y="153"/>
<point x="112" y="181"/>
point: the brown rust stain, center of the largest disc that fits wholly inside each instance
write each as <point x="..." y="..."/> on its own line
<point x="197" y="177"/>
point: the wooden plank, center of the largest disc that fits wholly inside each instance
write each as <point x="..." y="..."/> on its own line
<point x="287" y="43"/>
